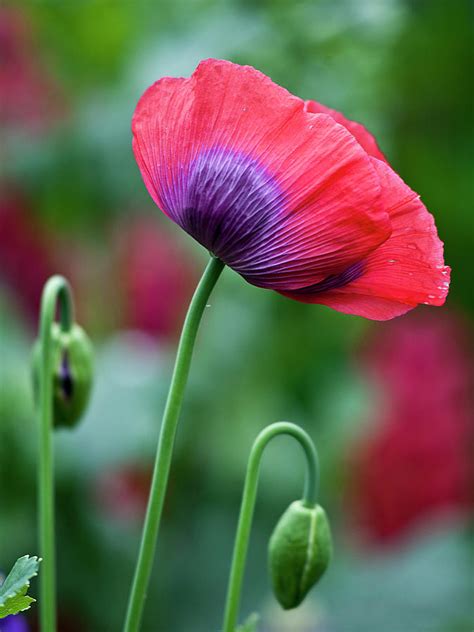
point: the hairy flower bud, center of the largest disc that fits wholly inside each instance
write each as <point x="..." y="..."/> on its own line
<point x="72" y="371"/>
<point x="299" y="552"/>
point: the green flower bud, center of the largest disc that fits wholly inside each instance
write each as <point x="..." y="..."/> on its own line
<point x="72" y="371"/>
<point x="299" y="552"/>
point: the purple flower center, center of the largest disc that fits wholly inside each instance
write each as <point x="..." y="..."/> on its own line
<point x="226" y="201"/>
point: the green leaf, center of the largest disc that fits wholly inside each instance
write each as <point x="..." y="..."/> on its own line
<point x="250" y="624"/>
<point x="13" y="597"/>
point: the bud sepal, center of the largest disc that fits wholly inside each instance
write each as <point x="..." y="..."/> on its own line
<point x="72" y="373"/>
<point x="299" y="552"/>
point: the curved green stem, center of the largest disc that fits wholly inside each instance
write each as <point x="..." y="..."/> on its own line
<point x="56" y="290"/>
<point x="248" y="504"/>
<point x="166" y="443"/>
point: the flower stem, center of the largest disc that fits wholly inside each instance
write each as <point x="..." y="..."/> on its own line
<point x="248" y="504"/>
<point x="166" y="443"/>
<point x="56" y="289"/>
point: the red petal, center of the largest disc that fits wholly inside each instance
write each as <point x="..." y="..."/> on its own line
<point x="360" y="133"/>
<point x="329" y="214"/>
<point x="406" y="270"/>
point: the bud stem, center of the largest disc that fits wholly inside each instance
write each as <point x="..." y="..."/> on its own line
<point x="248" y="504"/>
<point x="56" y="290"/>
<point x="166" y="443"/>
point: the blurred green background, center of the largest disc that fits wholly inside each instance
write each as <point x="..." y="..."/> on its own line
<point x="388" y="404"/>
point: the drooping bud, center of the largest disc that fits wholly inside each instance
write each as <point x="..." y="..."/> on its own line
<point x="72" y="371"/>
<point x="299" y="552"/>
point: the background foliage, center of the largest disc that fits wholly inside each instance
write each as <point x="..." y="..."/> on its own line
<point x="388" y="404"/>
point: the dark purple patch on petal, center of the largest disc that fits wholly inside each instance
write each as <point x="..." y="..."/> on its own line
<point x="226" y="201"/>
<point x="334" y="281"/>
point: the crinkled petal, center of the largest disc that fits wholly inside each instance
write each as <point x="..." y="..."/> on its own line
<point x="283" y="196"/>
<point x="406" y="270"/>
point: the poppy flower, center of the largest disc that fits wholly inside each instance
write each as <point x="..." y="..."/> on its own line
<point x="288" y="193"/>
<point x="123" y="492"/>
<point x="146" y="263"/>
<point x="416" y="463"/>
<point x="30" y="97"/>
<point x="23" y="241"/>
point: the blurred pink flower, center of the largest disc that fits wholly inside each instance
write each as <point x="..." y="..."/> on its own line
<point x="416" y="461"/>
<point x="156" y="275"/>
<point x="26" y="259"/>
<point x="29" y="95"/>
<point x="122" y="493"/>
